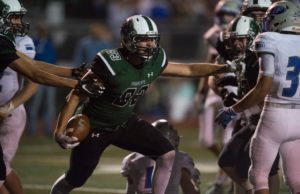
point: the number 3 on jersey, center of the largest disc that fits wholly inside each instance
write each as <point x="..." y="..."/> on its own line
<point x="130" y="96"/>
<point x="293" y="76"/>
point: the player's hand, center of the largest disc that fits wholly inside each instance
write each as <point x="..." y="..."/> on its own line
<point x="6" y="110"/>
<point x="225" y="116"/>
<point x="66" y="142"/>
<point x="90" y="86"/>
<point x="236" y="66"/>
<point x="80" y="71"/>
<point x="229" y="98"/>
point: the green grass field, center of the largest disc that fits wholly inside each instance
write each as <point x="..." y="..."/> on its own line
<point x="39" y="161"/>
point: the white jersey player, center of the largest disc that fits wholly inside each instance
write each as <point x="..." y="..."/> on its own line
<point x="12" y="113"/>
<point x="138" y="169"/>
<point x="278" y="129"/>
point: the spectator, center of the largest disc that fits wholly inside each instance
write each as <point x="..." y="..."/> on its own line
<point x="98" y="38"/>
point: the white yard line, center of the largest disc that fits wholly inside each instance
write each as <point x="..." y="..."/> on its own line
<point x="207" y="167"/>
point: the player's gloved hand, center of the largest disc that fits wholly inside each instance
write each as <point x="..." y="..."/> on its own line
<point x="225" y="115"/>
<point x="66" y="142"/>
<point x="80" y="71"/>
<point x="237" y="66"/>
<point x="90" y="86"/>
<point x="229" y="98"/>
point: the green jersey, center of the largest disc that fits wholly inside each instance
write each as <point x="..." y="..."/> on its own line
<point x="124" y="84"/>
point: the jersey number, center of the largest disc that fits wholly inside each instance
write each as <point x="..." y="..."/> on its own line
<point x="130" y="96"/>
<point x="293" y="76"/>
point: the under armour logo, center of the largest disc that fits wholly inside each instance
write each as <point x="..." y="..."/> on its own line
<point x="97" y="135"/>
<point x="150" y="74"/>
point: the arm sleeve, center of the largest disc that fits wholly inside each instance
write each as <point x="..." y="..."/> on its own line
<point x="266" y="64"/>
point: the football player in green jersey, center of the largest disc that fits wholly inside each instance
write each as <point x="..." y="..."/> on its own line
<point x="126" y="73"/>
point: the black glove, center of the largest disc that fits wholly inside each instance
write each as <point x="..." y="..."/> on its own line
<point x="229" y="98"/>
<point x="78" y="72"/>
<point x="91" y="86"/>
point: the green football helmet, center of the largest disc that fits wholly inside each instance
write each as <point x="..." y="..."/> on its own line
<point x="136" y="27"/>
<point x="12" y="9"/>
<point x="255" y="5"/>
<point x="240" y="27"/>
<point x="168" y="131"/>
<point x="282" y="16"/>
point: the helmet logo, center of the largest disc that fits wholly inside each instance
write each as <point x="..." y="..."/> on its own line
<point x="277" y="10"/>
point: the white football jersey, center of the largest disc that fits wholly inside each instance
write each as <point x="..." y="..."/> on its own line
<point x="140" y="169"/>
<point x="286" y="51"/>
<point x="9" y="82"/>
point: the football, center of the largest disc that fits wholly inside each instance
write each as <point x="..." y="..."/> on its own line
<point x="78" y="126"/>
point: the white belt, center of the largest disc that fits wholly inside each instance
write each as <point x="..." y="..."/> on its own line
<point x="282" y="105"/>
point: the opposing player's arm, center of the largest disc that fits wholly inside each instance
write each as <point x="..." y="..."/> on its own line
<point x="35" y="70"/>
<point x="193" y="69"/>
<point x="187" y="184"/>
<point x="263" y="85"/>
<point x="50" y="68"/>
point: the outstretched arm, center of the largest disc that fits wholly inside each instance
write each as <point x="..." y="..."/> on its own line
<point x="36" y="71"/>
<point x="193" y="69"/>
<point x="50" y="68"/>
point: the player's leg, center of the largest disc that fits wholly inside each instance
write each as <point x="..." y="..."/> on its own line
<point x="11" y="130"/>
<point x="264" y="147"/>
<point x="290" y="153"/>
<point x="234" y="160"/>
<point x="140" y="136"/>
<point x="84" y="159"/>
